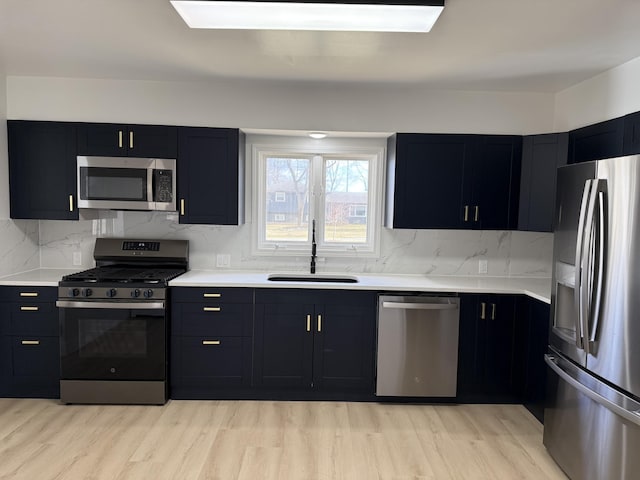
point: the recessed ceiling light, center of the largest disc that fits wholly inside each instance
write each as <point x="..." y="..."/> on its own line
<point x="375" y="16"/>
<point x="317" y="135"/>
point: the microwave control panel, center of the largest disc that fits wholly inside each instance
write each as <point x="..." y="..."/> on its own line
<point x="163" y="185"/>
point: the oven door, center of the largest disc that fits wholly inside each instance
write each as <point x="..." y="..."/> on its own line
<point x="112" y="340"/>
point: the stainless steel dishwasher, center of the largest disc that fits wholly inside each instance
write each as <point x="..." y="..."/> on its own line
<point x="417" y="346"/>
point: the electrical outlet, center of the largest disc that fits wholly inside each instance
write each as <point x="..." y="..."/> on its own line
<point x="77" y="258"/>
<point x="223" y="260"/>
<point x="483" y="266"/>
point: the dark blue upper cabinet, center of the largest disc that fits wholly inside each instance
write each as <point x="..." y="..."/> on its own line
<point x="597" y="141"/>
<point x="119" y="140"/>
<point x="632" y="134"/>
<point x="210" y="175"/>
<point x="42" y="170"/>
<point x="541" y="157"/>
<point x="452" y="181"/>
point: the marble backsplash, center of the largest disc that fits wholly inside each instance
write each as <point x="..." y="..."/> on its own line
<point x="20" y="246"/>
<point x="435" y="252"/>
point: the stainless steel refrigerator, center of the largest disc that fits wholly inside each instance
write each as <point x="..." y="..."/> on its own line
<point x="592" y="416"/>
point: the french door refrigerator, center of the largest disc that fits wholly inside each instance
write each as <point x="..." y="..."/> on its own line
<point x="592" y="416"/>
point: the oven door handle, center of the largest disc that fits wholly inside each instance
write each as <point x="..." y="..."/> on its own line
<point x="111" y="305"/>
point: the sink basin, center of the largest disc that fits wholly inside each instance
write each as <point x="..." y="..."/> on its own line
<point x="311" y="277"/>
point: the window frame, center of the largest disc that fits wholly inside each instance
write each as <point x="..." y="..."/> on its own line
<point x="318" y="156"/>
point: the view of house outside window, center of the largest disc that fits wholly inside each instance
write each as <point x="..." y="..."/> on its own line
<point x="333" y="189"/>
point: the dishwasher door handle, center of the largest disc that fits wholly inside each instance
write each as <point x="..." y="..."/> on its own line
<point x="420" y="306"/>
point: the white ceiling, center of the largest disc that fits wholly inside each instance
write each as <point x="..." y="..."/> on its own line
<point x="513" y="45"/>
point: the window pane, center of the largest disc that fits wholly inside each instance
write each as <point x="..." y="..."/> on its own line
<point x="346" y="201"/>
<point x="287" y="202"/>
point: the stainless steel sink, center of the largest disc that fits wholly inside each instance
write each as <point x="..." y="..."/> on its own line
<point x="309" y="277"/>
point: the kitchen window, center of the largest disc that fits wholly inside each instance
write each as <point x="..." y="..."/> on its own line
<point x="340" y="189"/>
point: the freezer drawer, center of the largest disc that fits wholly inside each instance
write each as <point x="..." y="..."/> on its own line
<point x="417" y="349"/>
<point x="590" y="429"/>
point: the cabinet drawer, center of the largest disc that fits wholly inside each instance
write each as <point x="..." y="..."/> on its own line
<point x="211" y="361"/>
<point x="212" y="318"/>
<point x="28" y="294"/>
<point x="32" y="318"/>
<point x="226" y="295"/>
<point x="34" y="356"/>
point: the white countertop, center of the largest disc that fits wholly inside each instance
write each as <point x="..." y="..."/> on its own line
<point x="40" y="277"/>
<point x="538" y="288"/>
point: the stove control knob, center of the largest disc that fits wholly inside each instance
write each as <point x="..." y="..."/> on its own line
<point x="87" y="292"/>
<point x="74" y="292"/>
<point x="148" y="293"/>
<point x="111" y="292"/>
<point x="135" y="293"/>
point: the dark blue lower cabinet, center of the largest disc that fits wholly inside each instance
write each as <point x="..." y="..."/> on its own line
<point x="31" y="366"/>
<point x="315" y="341"/>
<point x="489" y="361"/>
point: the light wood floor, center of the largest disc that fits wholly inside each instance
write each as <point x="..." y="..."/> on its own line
<point x="41" y="439"/>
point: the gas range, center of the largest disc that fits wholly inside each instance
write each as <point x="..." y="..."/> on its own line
<point x="114" y="322"/>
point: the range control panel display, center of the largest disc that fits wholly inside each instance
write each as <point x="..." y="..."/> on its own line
<point x="141" y="246"/>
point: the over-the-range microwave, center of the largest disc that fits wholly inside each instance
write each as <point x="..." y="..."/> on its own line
<point x="126" y="183"/>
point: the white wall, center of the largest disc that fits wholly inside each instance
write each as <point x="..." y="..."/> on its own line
<point x="282" y="105"/>
<point x="611" y="94"/>
<point x="19" y="242"/>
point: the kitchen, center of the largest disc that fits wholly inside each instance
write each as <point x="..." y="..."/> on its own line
<point x="287" y="105"/>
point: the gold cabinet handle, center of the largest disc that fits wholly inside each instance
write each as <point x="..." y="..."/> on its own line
<point x="30" y="342"/>
<point x="466" y="213"/>
<point x="211" y="342"/>
<point x="119" y="138"/>
<point x="308" y="323"/>
<point x="319" y="323"/>
<point x="182" y="207"/>
<point x="71" y="203"/>
<point x="483" y="310"/>
<point x="211" y="295"/>
<point x="29" y="309"/>
<point x="28" y="294"/>
<point x="211" y="309"/>
<point x="477" y="214"/>
<point x="131" y="139"/>
<point x="493" y="311"/>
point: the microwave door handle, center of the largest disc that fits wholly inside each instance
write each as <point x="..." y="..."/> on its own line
<point x="580" y="244"/>
<point x="151" y="180"/>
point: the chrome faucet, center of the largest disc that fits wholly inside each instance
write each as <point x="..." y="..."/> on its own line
<point x="313" y="247"/>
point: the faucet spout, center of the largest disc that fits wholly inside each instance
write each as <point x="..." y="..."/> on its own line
<point x="313" y="247"/>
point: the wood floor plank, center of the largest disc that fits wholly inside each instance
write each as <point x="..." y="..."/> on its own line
<point x="225" y="440"/>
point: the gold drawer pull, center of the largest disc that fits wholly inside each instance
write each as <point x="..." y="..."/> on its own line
<point x="212" y="295"/>
<point x="182" y="207"/>
<point x="211" y="342"/>
<point x="28" y="294"/>
<point x="211" y="309"/>
<point x="29" y="309"/>
<point x="319" y="323"/>
<point x="131" y="139"/>
<point x="30" y="342"/>
<point x="308" y="323"/>
<point x="119" y="138"/>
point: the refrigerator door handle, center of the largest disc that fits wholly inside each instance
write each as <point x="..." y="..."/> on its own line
<point x="601" y="238"/>
<point x="589" y="257"/>
<point x="579" y="284"/>
<point x="629" y="415"/>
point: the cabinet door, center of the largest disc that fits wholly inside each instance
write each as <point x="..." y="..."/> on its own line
<point x="541" y="157"/>
<point x="283" y="343"/>
<point x="210" y="185"/>
<point x="597" y="141"/>
<point x="631" y="134"/>
<point x="429" y="173"/>
<point x="42" y="170"/>
<point x="494" y="183"/>
<point x="537" y="335"/>
<point x="34" y="367"/>
<point x="344" y="343"/>
<point x="152" y="141"/>
<point x="487" y="367"/>
<point x="102" y="139"/>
